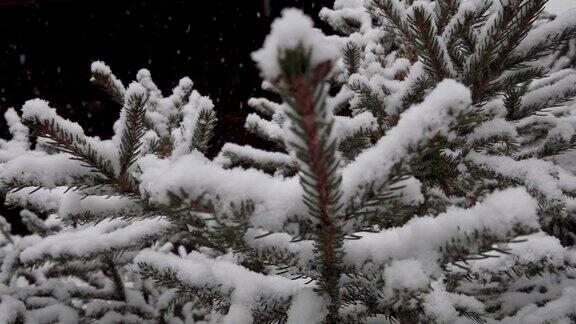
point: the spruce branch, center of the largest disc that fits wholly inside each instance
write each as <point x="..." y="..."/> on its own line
<point x="204" y="131"/>
<point x="119" y="289"/>
<point x="103" y="77"/>
<point x="555" y="146"/>
<point x="351" y="54"/>
<point x="265" y="129"/>
<point x="416" y="93"/>
<point x="316" y="150"/>
<point x="249" y="157"/>
<point x="133" y="130"/>
<point x="427" y="44"/>
<point x="444" y="11"/>
<point x="76" y="145"/>
<point x="351" y="146"/>
<point x="34" y="224"/>
<point x="492" y="58"/>
<point x="264" y="106"/>
<point x="371" y="101"/>
<point x="379" y="205"/>
<point x="206" y="295"/>
<point x="392" y="11"/>
<point x="552" y="101"/>
<point x="513" y="103"/>
<point x="520" y="76"/>
<point x="461" y="36"/>
<point x="542" y="47"/>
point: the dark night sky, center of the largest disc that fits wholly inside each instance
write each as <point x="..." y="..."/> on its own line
<point x="46" y="47"/>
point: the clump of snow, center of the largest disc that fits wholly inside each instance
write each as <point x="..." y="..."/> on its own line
<point x="348" y="126"/>
<point x="532" y="248"/>
<point x="346" y="10"/>
<point x="135" y="89"/>
<point x="262" y="240"/>
<point x="493" y="127"/>
<point x="179" y="92"/>
<point x="10" y="309"/>
<point x="19" y="143"/>
<point x="57" y="313"/>
<point x="144" y="77"/>
<point x="410" y="191"/>
<point x="99" y="206"/>
<point x="405" y="275"/>
<point x="293" y="29"/>
<point x="239" y="314"/>
<point x="559" y="6"/>
<point x="307" y="307"/>
<point x="100" y="67"/>
<point x="18" y="131"/>
<point x="441" y="305"/>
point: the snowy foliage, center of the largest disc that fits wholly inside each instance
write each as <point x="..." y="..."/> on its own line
<point x="418" y="175"/>
<point x="84" y="209"/>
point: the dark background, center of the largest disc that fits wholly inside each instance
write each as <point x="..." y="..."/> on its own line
<point x="47" y="46"/>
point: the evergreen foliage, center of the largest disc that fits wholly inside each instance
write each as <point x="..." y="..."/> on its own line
<point x="83" y="205"/>
<point x="418" y="176"/>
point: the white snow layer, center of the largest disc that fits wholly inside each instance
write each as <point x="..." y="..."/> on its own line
<point x="422" y="237"/>
<point x="105" y="236"/>
<point x="275" y="198"/>
<point x="559" y="6"/>
<point x="245" y="286"/>
<point x="291" y="30"/>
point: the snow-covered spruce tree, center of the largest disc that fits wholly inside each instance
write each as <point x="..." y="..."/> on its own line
<point x="85" y="211"/>
<point x="441" y="203"/>
<point x="423" y="224"/>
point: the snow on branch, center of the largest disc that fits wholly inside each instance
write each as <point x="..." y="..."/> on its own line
<point x="105" y="237"/>
<point x="202" y="274"/>
<point x="195" y="177"/>
<point x="102" y="75"/>
<point x="416" y="127"/>
<point x="501" y="214"/>
<point x="293" y="29"/>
